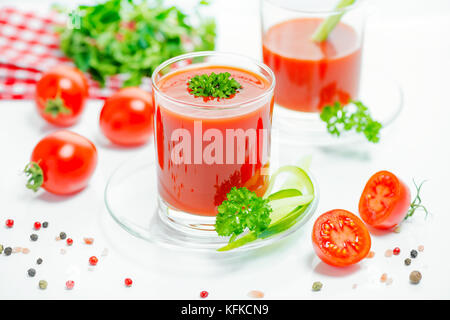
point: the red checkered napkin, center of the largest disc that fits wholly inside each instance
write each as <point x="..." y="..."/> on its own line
<point x="29" y="46"/>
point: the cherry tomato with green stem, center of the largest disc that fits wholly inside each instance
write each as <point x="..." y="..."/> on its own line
<point x="61" y="94"/>
<point x="61" y="163"/>
<point x="126" y="118"/>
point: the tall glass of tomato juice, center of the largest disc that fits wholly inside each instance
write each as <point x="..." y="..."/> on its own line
<point x="204" y="145"/>
<point x="312" y="74"/>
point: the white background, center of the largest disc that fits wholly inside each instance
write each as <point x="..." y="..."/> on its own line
<point x="409" y="38"/>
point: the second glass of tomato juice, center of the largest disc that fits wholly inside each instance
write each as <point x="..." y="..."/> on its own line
<point x="213" y="114"/>
<point x="313" y="67"/>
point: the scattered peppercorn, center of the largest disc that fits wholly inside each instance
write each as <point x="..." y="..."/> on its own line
<point x="37" y="225"/>
<point x="407" y="261"/>
<point x="88" y="240"/>
<point x="39" y="261"/>
<point x="45" y="224"/>
<point x="70" y="284"/>
<point x="17" y="249"/>
<point x="62" y="235"/>
<point x="415" y="277"/>
<point x="43" y="284"/>
<point x="256" y="294"/>
<point x="34" y="237"/>
<point x="93" y="260"/>
<point x="396" y="251"/>
<point x="8" y="251"/>
<point x="69" y="241"/>
<point x="9" y="223"/>
<point x="31" y="272"/>
<point x="317" y="286"/>
<point x="128" y="282"/>
<point x="414" y="253"/>
<point x="421" y="248"/>
<point x="383" y="277"/>
<point x="388" y="253"/>
<point x="1" y="249"/>
<point x="25" y="250"/>
<point x="204" y="294"/>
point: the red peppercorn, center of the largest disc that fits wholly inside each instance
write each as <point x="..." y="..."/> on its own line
<point x="70" y="284"/>
<point x="9" y="223"/>
<point x="396" y="251"/>
<point x="37" y="225"/>
<point x="203" y="294"/>
<point x="93" y="260"/>
<point x="69" y="241"/>
<point x="128" y="282"/>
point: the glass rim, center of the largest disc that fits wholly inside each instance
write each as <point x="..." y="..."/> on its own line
<point x="356" y="4"/>
<point x="203" y="106"/>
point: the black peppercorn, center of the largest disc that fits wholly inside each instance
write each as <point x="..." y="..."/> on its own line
<point x="34" y="237"/>
<point x="407" y="261"/>
<point x="414" y="253"/>
<point x="39" y="261"/>
<point x="62" y="235"/>
<point x="45" y="224"/>
<point x="31" y="272"/>
<point x="8" y="251"/>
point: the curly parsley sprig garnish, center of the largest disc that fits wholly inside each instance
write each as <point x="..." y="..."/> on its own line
<point x="213" y="85"/>
<point x="242" y="210"/>
<point x="340" y="118"/>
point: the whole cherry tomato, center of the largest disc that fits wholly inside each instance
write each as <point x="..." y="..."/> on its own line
<point x="127" y="117"/>
<point x="62" y="163"/>
<point x="384" y="201"/>
<point x="340" y="238"/>
<point x="60" y="95"/>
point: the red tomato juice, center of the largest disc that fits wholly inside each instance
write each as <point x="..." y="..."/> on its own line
<point x="311" y="75"/>
<point x="199" y="188"/>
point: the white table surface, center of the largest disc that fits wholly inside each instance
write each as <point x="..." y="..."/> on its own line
<point x="411" y="39"/>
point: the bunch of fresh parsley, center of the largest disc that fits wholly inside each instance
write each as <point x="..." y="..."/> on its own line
<point x="133" y="37"/>
<point x="213" y="85"/>
<point x="340" y="118"/>
<point x="242" y="210"/>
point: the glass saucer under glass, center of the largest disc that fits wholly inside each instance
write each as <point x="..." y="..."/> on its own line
<point x="131" y="198"/>
<point x="379" y="92"/>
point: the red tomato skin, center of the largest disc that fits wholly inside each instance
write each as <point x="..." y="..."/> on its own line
<point x="73" y="88"/>
<point x="326" y="256"/>
<point x="126" y="118"/>
<point x="397" y="209"/>
<point x="67" y="160"/>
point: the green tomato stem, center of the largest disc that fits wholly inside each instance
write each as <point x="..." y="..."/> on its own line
<point x="35" y="176"/>
<point x="55" y="107"/>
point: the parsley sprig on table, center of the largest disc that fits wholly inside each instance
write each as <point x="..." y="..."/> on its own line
<point x="340" y="118"/>
<point x="133" y="37"/>
<point x="242" y="210"/>
<point x="213" y="85"/>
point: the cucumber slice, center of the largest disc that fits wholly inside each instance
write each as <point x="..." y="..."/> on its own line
<point x="288" y="204"/>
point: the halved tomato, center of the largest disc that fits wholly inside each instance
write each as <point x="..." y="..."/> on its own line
<point x="340" y="238"/>
<point x="384" y="201"/>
